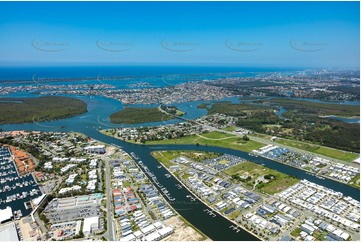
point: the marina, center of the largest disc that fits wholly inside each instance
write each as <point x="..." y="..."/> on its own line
<point x="194" y="212"/>
<point x="16" y="191"/>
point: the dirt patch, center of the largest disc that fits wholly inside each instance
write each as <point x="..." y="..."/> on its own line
<point x="28" y="229"/>
<point x="182" y="231"/>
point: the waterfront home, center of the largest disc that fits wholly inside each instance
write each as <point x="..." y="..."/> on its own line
<point x="95" y="149"/>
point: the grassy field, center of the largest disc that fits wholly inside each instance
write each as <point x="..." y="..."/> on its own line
<point x="280" y="182"/>
<point x="14" y="110"/>
<point x="296" y="232"/>
<point x="230" y="128"/>
<point x="322" y="150"/>
<point x="317" y="149"/>
<point x="215" y="139"/>
<point x="166" y="156"/>
<point x="319" y="108"/>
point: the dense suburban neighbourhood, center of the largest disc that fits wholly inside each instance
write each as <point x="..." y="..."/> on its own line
<point x="180" y="121"/>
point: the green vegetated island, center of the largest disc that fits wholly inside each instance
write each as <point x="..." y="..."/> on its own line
<point x="266" y="123"/>
<point x="22" y="110"/>
<point x="132" y="115"/>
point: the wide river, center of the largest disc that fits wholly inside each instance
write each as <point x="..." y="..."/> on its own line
<point x="216" y="228"/>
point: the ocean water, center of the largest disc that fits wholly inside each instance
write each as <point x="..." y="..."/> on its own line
<point x="100" y="108"/>
<point x="27" y="73"/>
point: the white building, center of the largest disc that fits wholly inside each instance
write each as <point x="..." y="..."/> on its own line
<point x="95" y="149"/>
<point x="90" y="224"/>
<point x="6" y="214"/>
<point x="8" y="232"/>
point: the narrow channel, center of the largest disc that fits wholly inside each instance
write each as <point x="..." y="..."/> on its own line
<point x="193" y="211"/>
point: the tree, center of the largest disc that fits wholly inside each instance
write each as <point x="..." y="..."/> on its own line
<point x="245" y="138"/>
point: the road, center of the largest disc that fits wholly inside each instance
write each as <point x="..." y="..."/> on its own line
<point x="261" y="140"/>
<point x="267" y="141"/>
<point x="110" y="234"/>
<point x="40" y="224"/>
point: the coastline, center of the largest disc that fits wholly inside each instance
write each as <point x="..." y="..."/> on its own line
<point x="235" y="223"/>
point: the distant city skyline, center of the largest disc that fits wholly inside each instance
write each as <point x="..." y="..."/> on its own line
<point x="269" y="34"/>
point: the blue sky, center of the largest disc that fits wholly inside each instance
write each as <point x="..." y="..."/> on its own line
<point x="276" y="34"/>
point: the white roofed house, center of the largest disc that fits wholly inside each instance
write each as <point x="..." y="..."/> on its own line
<point x="95" y="149"/>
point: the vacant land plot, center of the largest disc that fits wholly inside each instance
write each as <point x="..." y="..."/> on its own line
<point x="322" y="150"/>
<point x="277" y="181"/>
<point x="184" y="231"/>
<point x="214" y="139"/>
<point x="166" y="156"/>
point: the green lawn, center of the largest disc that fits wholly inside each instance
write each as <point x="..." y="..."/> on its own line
<point x="234" y="215"/>
<point x="165" y="157"/>
<point x="322" y="150"/>
<point x="230" y="128"/>
<point x="280" y="183"/>
<point x="215" y="139"/>
<point x="296" y="232"/>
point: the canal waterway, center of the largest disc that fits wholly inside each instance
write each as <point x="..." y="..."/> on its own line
<point x="216" y="228"/>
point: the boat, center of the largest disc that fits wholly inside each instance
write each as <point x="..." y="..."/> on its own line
<point x="134" y="155"/>
<point x="191" y="198"/>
